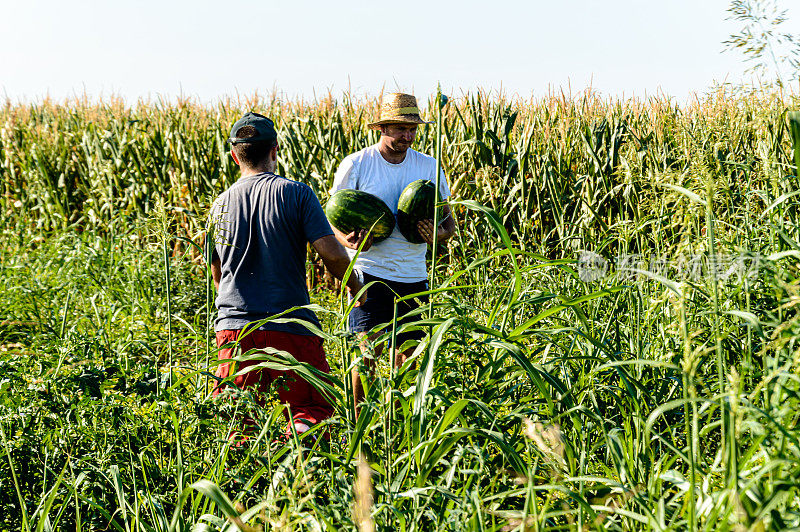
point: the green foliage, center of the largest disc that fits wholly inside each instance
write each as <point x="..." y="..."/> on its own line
<point x="661" y="393"/>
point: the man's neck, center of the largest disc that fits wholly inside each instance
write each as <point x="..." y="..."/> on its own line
<point x="247" y="171"/>
<point x="390" y="155"/>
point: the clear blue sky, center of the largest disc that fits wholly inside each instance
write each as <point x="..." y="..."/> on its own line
<point x="301" y="48"/>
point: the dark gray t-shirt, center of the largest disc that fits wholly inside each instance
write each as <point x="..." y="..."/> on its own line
<point x="260" y="227"/>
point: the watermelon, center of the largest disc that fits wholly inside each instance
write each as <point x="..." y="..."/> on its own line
<point x="349" y="210"/>
<point x="415" y="204"/>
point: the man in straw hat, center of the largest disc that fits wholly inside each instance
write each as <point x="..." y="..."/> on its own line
<point x="385" y="170"/>
<point x="260" y="227"/>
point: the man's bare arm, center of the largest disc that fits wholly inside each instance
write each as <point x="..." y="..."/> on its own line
<point x="216" y="271"/>
<point x="336" y="261"/>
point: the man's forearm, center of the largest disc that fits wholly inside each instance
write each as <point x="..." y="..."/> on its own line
<point x="445" y="233"/>
<point x="336" y="260"/>
<point x="338" y="267"/>
<point x="216" y="272"/>
<point x="447" y="227"/>
<point x="342" y="238"/>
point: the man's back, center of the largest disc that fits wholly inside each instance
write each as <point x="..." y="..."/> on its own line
<point x="261" y="226"/>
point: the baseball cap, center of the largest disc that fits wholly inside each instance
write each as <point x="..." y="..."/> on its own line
<point x="264" y="126"/>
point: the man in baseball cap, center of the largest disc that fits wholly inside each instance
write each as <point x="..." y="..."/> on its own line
<point x="260" y="228"/>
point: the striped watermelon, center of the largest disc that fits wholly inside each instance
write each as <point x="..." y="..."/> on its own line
<point x="348" y="210"/>
<point x="415" y="204"/>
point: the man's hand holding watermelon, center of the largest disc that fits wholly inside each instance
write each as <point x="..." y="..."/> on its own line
<point x="425" y="229"/>
<point x="353" y="240"/>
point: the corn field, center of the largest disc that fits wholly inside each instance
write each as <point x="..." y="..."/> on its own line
<point x="612" y="344"/>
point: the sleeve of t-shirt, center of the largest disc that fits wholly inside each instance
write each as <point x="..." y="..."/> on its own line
<point x="315" y="224"/>
<point x="344" y="176"/>
<point x="444" y="188"/>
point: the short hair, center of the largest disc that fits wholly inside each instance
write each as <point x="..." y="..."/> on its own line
<point x="252" y="154"/>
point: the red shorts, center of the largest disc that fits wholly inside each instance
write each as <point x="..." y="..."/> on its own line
<point x="306" y="403"/>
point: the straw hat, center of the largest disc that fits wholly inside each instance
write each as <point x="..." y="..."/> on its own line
<point x="398" y="108"/>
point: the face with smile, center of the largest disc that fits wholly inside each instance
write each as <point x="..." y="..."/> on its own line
<point x="397" y="138"/>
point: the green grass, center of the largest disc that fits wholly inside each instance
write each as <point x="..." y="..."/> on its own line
<point x="539" y="401"/>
